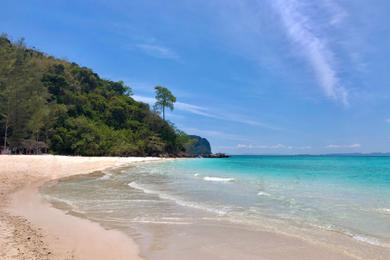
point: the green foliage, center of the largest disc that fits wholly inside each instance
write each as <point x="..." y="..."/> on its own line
<point x="46" y="101"/>
<point x="22" y="95"/>
<point x="164" y="98"/>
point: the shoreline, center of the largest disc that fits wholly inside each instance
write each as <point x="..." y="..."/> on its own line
<point x="31" y="228"/>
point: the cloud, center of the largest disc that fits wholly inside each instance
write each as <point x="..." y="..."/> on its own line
<point x="147" y="100"/>
<point x="387" y="120"/>
<point x="214" y="133"/>
<point x="275" y="146"/>
<point x="338" y="146"/>
<point x="158" y="51"/>
<point x="241" y="119"/>
<point x="194" y="109"/>
<point x="338" y="14"/>
<point x="206" y="112"/>
<point x="300" y="29"/>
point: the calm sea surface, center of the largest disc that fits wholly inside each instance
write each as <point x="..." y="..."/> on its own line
<point x="349" y="195"/>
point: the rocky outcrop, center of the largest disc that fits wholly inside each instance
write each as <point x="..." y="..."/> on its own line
<point x="197" y="146"/>
<point x="217" y="155"/>
<point x="200" y="147"/>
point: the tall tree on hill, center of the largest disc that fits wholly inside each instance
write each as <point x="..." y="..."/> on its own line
<point x="164" y="99"/>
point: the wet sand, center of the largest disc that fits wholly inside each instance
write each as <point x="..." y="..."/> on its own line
<point x="31" y="229"/>
<point x="234" y="242"/>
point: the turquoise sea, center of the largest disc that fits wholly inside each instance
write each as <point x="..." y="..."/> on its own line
<point x="349" y="195"/>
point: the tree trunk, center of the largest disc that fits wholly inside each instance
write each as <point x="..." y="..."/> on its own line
<point x="163" y="112"/>
<point x="36" y="144"/>
<point x="5" y="135"/>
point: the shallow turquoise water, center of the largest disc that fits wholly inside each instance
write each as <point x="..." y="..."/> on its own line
<point x="350" y="195"/>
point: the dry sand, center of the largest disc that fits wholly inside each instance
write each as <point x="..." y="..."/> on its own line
<point x="31" y="229"/>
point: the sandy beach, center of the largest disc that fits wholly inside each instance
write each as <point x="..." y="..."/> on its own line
<point x="31" y="229"/>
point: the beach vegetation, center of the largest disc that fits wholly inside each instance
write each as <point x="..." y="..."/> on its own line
<point x="49" y="104"/>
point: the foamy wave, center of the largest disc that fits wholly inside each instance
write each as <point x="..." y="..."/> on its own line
<point x="135" y="185"/>
<point x="218" y="179"/>
<point x="362" y="238"/>
<point x="71" y="206"/>
<point x="385" y="211"/>
<point x="196" y="174"/>
<point x="161" y="222"/>
<point x="263" y="193"/>
<point x="178" y="201"/>
<point x="371" y="241"/>
<point x="59" y="200"/>
<point x="106" y="176"/>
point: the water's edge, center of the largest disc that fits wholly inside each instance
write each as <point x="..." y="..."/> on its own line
<point x="341" y="241"/>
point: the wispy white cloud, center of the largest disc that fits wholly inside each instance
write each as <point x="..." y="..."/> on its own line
<point x="242" y="119"/>
<point x="338" y="14"/>
<point x="148" y="100"/>
<point x="194" y="109"/>
<point x="387" y="120"/>
<point x="214" y="133"/>
<point x="300" y="29"/>
<point x="206" y="112"/>
<point x="274" y="146"/>
<point x="338" y="146"/>
<point x="158" y="51"/>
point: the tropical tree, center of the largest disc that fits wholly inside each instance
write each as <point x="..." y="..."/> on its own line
<point x="164" y="99"/>
<point x="39" y="117"/>
<point x="21" y="93"/>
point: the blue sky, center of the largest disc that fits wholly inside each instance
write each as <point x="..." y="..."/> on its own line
<point x="254" y="77"/>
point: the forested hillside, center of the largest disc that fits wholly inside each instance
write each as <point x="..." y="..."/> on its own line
<point x="48" y="104"/>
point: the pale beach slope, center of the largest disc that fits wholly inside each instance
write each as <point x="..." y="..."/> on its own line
<point x="31" y="229"/>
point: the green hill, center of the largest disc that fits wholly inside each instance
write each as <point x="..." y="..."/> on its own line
<point x="58" y="106"/>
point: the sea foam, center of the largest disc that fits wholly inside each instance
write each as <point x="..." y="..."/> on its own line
<point x="385" y="211"/>
<point x="154" y="221"/>
<point x="218" y="179"/>
<point x="371" y="241"/>
<point x="263" y="193"/>
<point x="106" y="176"/>
<point x="178" y="201"/>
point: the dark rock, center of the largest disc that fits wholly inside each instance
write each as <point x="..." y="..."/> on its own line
<point x="197" y="146"/>
<point x="216" y="155"/>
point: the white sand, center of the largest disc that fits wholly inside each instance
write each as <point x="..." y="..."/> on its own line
<point x="31" y="229"/>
